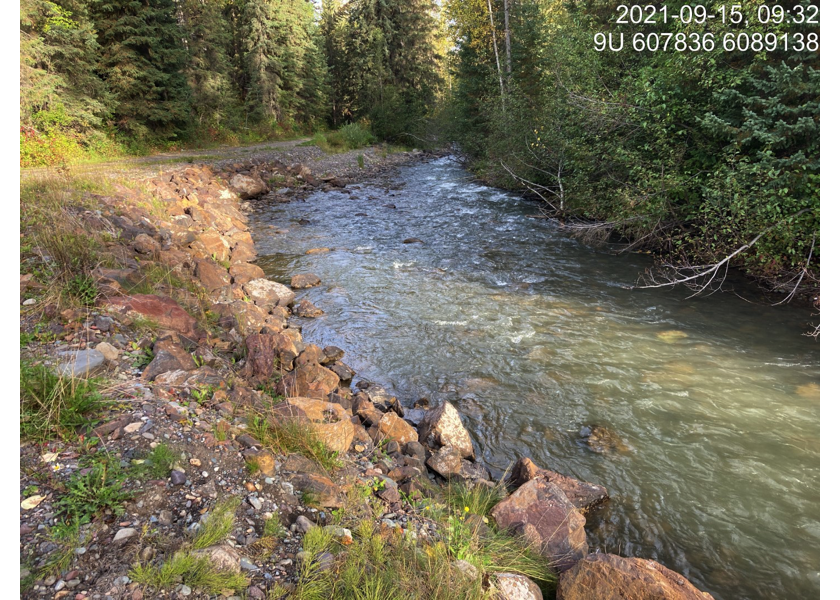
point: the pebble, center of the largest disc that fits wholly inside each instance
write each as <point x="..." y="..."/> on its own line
<point x="246" y="564"/>
<point x="255" y="502"/>
<point x="177" y="477"/>
<point x="29" y="302"/>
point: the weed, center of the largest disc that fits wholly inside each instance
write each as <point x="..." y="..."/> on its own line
<point x="360" y="160"/>
<point x="67" y="537"/>
<point x="274" y="527"/>
<point x="55" y="406"/>
<point x="94" y="490"/>
<point x="252" y="467"/>
<point x="202" y="393"/>
<point x="218" y="525"/>
<point x="220" y="432"/>
<point x="477" y="500"/>
<point x="83" y="289"/>
<point x="143" y="356"/>
<point x="294" y="436"/>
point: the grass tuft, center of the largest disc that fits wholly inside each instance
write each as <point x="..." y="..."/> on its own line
<point x="196" y="572"/>
<point x="53" y="406"/>
<point x="218" y="525"/>
<point x="293" y="436"/>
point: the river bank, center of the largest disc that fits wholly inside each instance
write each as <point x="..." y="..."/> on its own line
<point x="228" y="457"/>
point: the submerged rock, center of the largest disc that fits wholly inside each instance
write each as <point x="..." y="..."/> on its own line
<point x="602" y="440"/>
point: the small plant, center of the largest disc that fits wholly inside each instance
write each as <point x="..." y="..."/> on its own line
<point x="159" y="462"/>
<point x="144" y="356"/>
<point x="252" y="467"/>
<point x="202" y="393"/>
<point x="218" y="525"/>
<point x="53" y="406"/>
<point x="360" y="160"/>
<point x="83" y="289"/>
<point x="93" y="491"/>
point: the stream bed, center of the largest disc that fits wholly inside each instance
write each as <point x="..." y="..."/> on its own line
<point x="703" y="413"/>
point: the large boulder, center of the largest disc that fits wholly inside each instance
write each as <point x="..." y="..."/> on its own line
<point x="212" y="275"/>
<point x="247" y="186"/>
<point x="446" y="462"/>
<point x="161" y="309"/>
<point x="245" y="317"/>
<point x="243" y="272"/>
<point x="268" y="294"/>
<point x="442" y="426"/>
<point x="582" y="494"/>
<point x="553" y="523"/>
<point x="611" y="577"/>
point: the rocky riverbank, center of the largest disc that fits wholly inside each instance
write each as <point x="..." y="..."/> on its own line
<point x="226" y="457"/>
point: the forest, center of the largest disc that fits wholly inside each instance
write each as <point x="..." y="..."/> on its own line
<point x="709" y="158"/>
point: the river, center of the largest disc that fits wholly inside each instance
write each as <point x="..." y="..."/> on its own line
<point x="712" y="403"/>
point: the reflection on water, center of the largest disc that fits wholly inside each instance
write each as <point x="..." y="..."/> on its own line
<point x="711" y="405"/>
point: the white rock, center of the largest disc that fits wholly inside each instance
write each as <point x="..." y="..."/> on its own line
<point x="124" y="534"/>
<point x="108" y="351"/>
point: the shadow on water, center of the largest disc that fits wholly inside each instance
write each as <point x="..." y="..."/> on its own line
<point x="708" y="409"/>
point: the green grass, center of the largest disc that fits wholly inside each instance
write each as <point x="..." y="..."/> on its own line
<point x="218" y="525"/>
<point x="159" y="462"/>
<point x="55" y="407"/>
<point x="94" y="492"/>
<point x="196" y="572"/>
<point x="293" y="436"/>
<point x="349" y="137"/>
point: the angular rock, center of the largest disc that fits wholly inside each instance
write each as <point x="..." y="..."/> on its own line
<point x="324" y="491"/>
<point x="161" y="309"/>
<point x="265" y="461"/>
<point x="215" y="245"/>
<point x="243" y="272"/>
<point x="511" y="586"/>
<point x="124" y="534"/>
<point x="582" y="494"/>
<point x="319" y="411"/>
<point x="145" y="244"/>
<point x="247" y="186"/>
<point x="108" y="351"/>
<point x="303" y="524"/>
<point x="203" y="376"/>
<point x="555" y="519"/>
<point x="268" y="294"/>
<point x="383" y="400"/>
<point x="212" y="276"/>
<point x="307" y="310"/>
<point x="394" y="428"/>
<point x="82" y="363"/>
<point x="309" y="379"/>
<point x="446" y="462"/>
<point x="245" y="317"/>
<point x="169" y="356"/>
<point x="332" y="354"/>
<point x="304" y="280"/>
<point x="605" y="576"/>
<point x="442" y="426"/>
<point x="344" y="372"/>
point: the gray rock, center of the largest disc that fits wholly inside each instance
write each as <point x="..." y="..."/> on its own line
<point x="29" y="302"/>
<point x="124" y="534"/>
<point x="177" y="477"/>
<point x="511" y="586"/>
<point x="246" y="564"/>
<point x="83" y="363"/>
<point x="303" y="524"/>
<point x="255" y="502"/>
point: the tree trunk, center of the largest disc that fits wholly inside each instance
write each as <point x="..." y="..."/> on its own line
<point x="496" y="51"/>
<point x="507" y="35"/>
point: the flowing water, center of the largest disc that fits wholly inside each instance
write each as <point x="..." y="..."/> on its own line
<point x="712" y="404"/>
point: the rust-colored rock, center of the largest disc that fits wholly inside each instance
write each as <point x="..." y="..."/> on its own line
<point x="243" y="272"/>
<point x="446" y="462"/>
<point x="161" y="309"/>
<point x="611" y="577"/>
<point x="245" y="317"/>
<point x="307" y="310"/>
<point x="582" y="494"/>
<point x="215" y="244"/>
<point x="309" y="379"/>
<point x="265" y="461"/>
<point x="319" y="411"/>
<point x="212" y="276"/>
<point x="261" y="354"/>
<point x="442" y="426"/>
<point x="394" y="428"/>
<point x="555" y="519"/>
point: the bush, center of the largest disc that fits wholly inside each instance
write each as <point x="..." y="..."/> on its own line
<point x="355" y="136"/>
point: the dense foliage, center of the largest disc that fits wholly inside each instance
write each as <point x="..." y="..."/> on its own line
<point x="694" y="154"/>
<point x="105" y="76"/>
